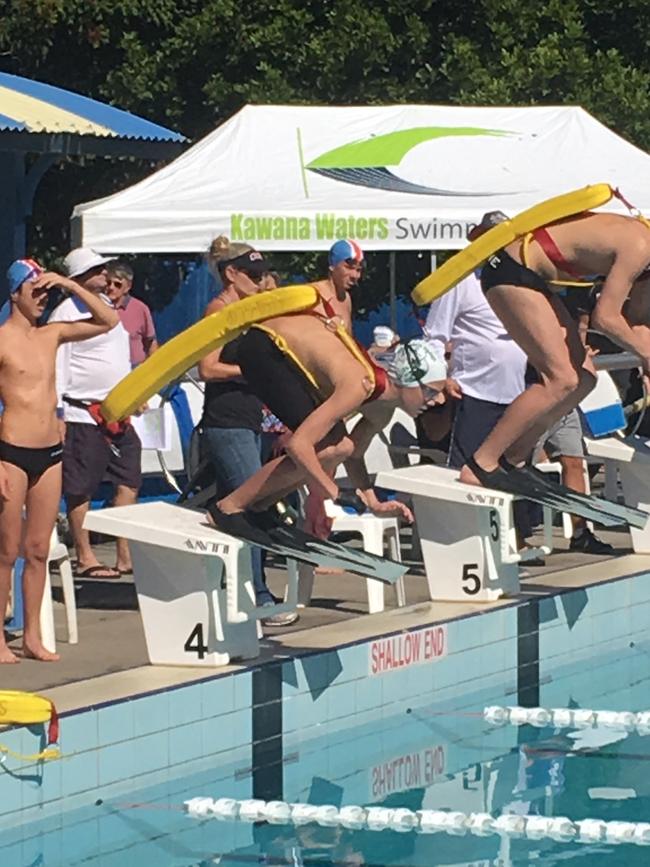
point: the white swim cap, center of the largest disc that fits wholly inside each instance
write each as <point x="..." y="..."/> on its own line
<point x="413" y="363"/>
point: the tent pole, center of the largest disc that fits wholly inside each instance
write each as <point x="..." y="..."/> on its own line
<point x="393" y="298"/>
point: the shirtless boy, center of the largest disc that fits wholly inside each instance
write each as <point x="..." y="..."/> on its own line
<point x="312" y="375"/>
<point x="30" y="436"/>
<point x="345" y="269"/>
<point x="519" y="282"/>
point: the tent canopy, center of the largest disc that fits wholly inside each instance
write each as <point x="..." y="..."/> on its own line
<point x="391" y="177"/>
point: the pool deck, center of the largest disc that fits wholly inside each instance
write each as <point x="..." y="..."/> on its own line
<point x="110" y="661"/>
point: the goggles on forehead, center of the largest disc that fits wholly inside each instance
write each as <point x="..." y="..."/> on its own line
<point x="419" y="372"/>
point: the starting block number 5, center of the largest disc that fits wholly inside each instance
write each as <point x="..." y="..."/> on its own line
<point x="471" y="573"/>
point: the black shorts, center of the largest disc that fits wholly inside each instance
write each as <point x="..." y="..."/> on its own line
<point x="502" y="270"/>
<point x="276" y="380"/>
<point x="89" y="460"/>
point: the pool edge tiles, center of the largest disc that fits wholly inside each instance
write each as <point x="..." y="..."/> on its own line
<point x="264" y="713"/>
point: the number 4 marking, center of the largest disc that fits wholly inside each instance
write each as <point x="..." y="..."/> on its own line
<point x="199" y="648"/>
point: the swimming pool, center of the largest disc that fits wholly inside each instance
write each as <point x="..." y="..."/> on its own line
<point x="393" y="722"/>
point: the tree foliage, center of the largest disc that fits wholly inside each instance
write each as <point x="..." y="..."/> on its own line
<point x="189" y="64"/>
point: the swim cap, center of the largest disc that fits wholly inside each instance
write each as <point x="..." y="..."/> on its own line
<point x="342" y="250"/>
<point x="20" y="271"/>
<point x="413" y="363"/>
<point x="488" y="221"/>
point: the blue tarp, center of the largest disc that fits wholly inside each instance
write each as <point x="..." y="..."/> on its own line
<point x="189" y="303"/>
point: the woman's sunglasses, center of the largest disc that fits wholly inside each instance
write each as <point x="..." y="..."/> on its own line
<point x="254" y="278"/>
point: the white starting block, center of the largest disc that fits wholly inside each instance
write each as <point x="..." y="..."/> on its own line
<point x="194" y="584"/>
<point x="631" y="456"/>
<point x="467" y="533"/>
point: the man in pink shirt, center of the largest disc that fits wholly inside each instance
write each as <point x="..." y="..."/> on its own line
<point x="134" y="314"/>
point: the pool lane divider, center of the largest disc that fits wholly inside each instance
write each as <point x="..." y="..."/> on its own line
<point x="567" y="717"/>
<point x="453" y="822"/>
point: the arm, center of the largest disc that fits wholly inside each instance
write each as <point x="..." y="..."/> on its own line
<point x="440" y="320"/>
<point x="608" y="314"/>
<point x="438" y="329"/>
<point x="103" y="317"/>
<point x="362" y="435"/>
<point x="211" y="369"/>
<point x="301" y="448"/>
<point x="149" y="341"/>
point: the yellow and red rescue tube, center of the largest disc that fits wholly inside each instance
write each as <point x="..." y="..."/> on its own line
<point x="27" y="708"/>
<point x="499" y="236"/>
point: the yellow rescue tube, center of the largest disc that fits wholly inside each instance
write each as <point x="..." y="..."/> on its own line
<point x="463" y="263"/>
<point x="27" y="708"/>
<point x="180" y="353"/>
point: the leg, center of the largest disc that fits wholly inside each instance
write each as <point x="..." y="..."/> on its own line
<point x="573" y="477"/>
<point x="11" y="528"/>
<point x="85" y="459"/>
<point x="473" y="423"/>
<point x="543" y="328"/>
<point x="124" y="470"/>
<point x="280" y="477"/>
<point x="236" y="456"/>
<point x="42" y="506"/>
<point x="124" y="496"/>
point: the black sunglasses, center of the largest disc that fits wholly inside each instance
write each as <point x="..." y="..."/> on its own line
<point x="418" y="372"/>
<point x="254" y="277"/>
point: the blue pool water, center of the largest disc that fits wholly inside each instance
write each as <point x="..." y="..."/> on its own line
<point x="414" y="753"/>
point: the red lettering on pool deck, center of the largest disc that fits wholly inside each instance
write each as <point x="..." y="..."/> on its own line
<point x="410" y="771"/>
<point x="409" y="648"/>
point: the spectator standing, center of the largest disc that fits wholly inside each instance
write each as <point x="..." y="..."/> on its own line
<point x="486" y="369"/>
<point x="134" y="314"/>
<point x="94" y="451"/>
<point x="30" y="448"/>
<point x="345" y="268"/>
<point x="232" y="414"/>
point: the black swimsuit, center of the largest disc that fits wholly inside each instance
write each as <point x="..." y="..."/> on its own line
<point x="502" y="270"/>
<point x="33" y="462"/>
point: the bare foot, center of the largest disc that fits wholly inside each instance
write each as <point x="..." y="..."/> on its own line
<point x="7" y="657"/>
<point x="37" y="651"/>
<point x="467" y="477"/>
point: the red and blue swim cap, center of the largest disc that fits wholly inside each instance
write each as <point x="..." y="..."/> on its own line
<point x="20" y="271"/>
<point x="341" y="251"/>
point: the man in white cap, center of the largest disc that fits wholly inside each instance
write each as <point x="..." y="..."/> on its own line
<point x="94" y="451"/>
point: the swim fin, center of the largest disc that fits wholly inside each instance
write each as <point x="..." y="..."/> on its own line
<point x="271" y="531"/>
<point x="521" y="484"/>
<point x="626" y="514"/>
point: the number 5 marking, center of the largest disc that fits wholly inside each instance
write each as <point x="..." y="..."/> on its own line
<point x="470" y="576"/>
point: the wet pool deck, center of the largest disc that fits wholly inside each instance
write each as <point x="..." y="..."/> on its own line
<point x="110" y="661"/>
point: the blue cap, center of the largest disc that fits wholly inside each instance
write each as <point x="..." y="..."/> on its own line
<point x="20" y="271"/>
<point x="340" y="251"/>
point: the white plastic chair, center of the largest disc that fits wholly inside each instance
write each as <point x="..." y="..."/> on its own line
<point x="374" y="531"/>
<point x="58" y="553"/>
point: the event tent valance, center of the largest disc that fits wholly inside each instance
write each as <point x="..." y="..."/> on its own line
<point x="391" y="177"/>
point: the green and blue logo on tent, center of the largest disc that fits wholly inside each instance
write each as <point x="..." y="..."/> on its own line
<point x="368" y="162"/>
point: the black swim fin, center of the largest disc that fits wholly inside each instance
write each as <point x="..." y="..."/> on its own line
<point x="626" y="514"/>
<point x="521" y="484"/>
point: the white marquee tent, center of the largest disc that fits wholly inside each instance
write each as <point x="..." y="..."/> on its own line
<point x="391" y="177"/>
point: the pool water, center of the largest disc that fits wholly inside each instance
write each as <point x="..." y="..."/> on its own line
<point x="423" y="755"/>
